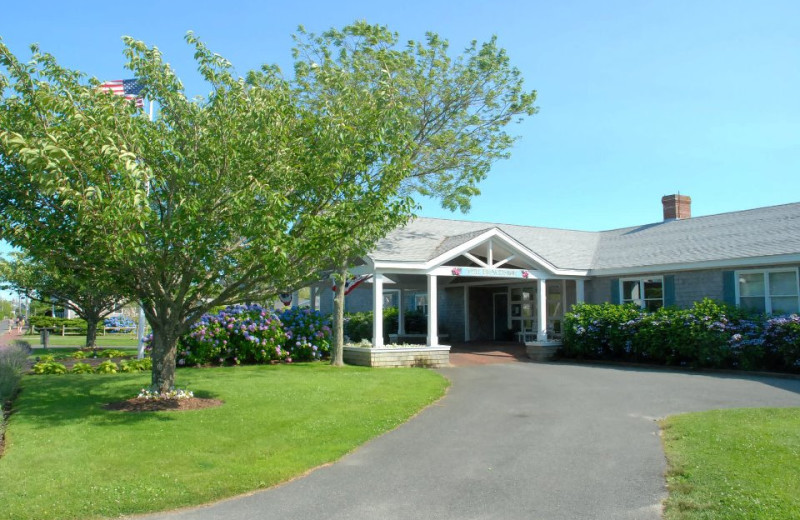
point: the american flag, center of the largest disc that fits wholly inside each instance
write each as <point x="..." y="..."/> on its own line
<point x="352" y="282"/>
<point x="129" y="88"/>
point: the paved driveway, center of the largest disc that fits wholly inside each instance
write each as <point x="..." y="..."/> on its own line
<point x="514" y="441"/>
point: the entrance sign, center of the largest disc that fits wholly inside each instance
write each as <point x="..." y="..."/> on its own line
<point x="491" y="273"/>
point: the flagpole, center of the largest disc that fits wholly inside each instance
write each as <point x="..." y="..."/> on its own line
<point x="140" y="327"/>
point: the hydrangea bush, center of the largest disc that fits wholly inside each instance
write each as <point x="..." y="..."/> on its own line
<point x="308" y="333"/>
<point x="252" y="334"/>
<point x="708" y="335"/>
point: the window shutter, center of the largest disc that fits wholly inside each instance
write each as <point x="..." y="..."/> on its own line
<point x="669" y="290"/>
<point x="615" y="296"/>
<point x="729" y="287"/>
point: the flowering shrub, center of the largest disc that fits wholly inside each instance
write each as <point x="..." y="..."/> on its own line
<point x="116" y="322"/>
<point x="238" y="334"/>
<point x="308" y="334"/>
<point x="710" y="335"/>
<point x="252" y="334"/>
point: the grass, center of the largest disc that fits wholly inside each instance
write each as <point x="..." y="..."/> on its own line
<point x="733" y="464"/>
<point x="109" y="340"/>
<point x="66" y="457"/>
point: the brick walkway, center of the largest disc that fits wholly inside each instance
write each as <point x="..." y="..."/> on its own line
<point x="469" y="354"/>
<point x="10" y="336"/>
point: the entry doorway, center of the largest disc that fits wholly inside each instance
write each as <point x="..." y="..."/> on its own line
<point x="500" y="316"/>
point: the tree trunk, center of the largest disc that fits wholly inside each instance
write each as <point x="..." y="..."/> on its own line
<point x="337" y="352"/>
<point x="165" y="348"/>
<point x="91" y="331"/>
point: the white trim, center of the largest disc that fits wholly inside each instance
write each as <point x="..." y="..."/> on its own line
<point x="641" y="280"/>
<point x="377" y="306"/>
<point x="504" y="261"/>
<point x="433" y="329"/>
<point x="477" y="260"/>
<point x="766" y="272"/>
<point x="541" y="311"/>
<point x="494" y="233"/>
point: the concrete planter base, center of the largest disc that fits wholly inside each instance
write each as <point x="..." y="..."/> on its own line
<point x="541" y="350"/>
<point x="429" y="357"/>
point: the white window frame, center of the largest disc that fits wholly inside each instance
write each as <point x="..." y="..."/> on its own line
<point x="766" y="273"/>
<point x="642" y="302"/>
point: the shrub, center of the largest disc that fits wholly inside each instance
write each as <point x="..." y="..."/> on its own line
<point x="82" y="368"/>
<point x="358" y="325"/>
<point x="49" y="367"/>
<point x="238" y="334"/>
<point x="56" y="323"/>
<point x="135" y="365"/>
<point x="709" y="335"/>
<point x="308" y="334"/>
<point x="79" y="354"/>
<point x="112" y="353"/>
<point x="782" y="337"/>
<point x="116" y="322"/>
<point x="106" y="367"/>
<point x="599" y="331"/>
<point x="13" y="361"/>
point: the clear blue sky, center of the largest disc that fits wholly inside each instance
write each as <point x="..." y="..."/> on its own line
<point x="637" y="99"/>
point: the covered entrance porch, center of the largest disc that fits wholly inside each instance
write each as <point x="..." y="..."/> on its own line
<point x="487" y="288"/>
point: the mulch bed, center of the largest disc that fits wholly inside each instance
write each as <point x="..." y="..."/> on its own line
<point x="140" y="404"/>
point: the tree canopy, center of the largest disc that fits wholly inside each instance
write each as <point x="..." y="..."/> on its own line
<point x="255" y="188"/>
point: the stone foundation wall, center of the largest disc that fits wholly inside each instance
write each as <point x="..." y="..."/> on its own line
<point x="428" y="357"/>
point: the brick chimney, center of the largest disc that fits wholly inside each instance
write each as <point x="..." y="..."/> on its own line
<point x="677" y="207"/>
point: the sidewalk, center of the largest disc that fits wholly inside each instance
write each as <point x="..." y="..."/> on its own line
<point x="9" y="336"/>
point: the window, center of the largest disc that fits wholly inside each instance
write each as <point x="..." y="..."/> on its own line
<point x="523" y="308"/>
<point x="421" y="303"/>
<point x="771" y="291"/>
<point x="647" y="293"/>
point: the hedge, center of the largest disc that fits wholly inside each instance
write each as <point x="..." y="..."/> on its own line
<point x="708" y="335"/>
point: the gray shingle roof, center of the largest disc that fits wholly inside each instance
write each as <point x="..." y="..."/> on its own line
<point x="762" y="232"/>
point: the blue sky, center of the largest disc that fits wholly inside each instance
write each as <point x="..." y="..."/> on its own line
<point x="637" y="99"/>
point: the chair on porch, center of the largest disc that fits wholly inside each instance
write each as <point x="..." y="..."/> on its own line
<point x="526" y="335"/>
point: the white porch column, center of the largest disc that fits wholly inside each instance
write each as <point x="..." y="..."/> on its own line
<point x="377" y="310"/>
<point x="580" y="291"/>
<point x="433" y="331"/>
<point x="312" y="294"/>
<point x="466" y="313"/>
<point x="541" y="311"/>
<point x="296" y="299"/>
<point x="401" y="315"/>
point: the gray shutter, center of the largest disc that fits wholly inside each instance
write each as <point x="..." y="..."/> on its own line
<point x="669" y="290"/>
<point x="615" y="296"/>
<point x="729" y="287"/>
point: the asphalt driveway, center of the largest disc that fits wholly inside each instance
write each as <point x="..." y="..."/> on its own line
<point x="514" y="441"/>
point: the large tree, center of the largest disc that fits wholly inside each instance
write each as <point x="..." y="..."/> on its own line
<point x="254" y="188"/>
<point x="91" y="293"/>
<point x="456" y="110"/>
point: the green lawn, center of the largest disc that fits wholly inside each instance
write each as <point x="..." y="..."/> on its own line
<point x="734" y="464"/>
<point x="109" y="340"/>
<point x="66" y="457"/>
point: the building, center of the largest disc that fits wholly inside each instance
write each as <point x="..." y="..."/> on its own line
<point x="479" y="281"/>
